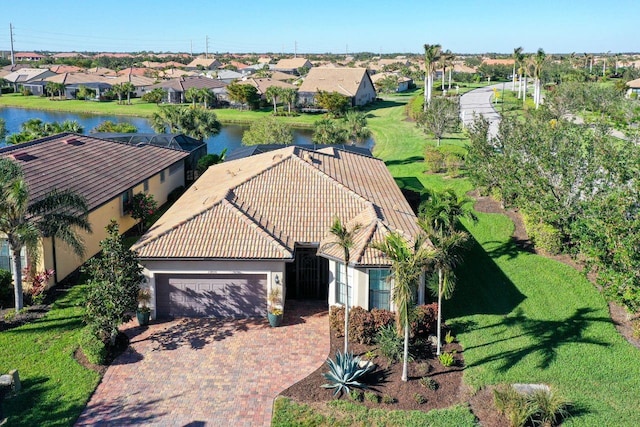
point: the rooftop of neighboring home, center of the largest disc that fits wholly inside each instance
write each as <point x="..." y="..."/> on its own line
<point x="259" y="207"/>
<point x="506" y="61"/>
<point x="98" y="169"/>
<point x="63" y="55"/>
<point x="26" y="74"/>
<point x="28" y="55"/>
<point x="263" y="84"/>
<point x="134" y="79"/>
<point x="181" y="84"/>
<point x="136" y="71"/>
<point x="102" y="71"/>
<point x="292" y="63"/>
<point x="379" y="76"/>
<point x="634" y="84"/>
<point x="204" y="62"/>
<point x="173" y="73"/>
<point x="345" y="81"/>
<point x="78" y="78"/>
<point x="59" y="69"/>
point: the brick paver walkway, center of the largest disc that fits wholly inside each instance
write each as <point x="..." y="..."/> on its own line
<point x="207" y="372"/>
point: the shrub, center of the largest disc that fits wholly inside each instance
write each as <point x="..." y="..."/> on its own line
<point x="549" y="407"/>
<point x="361" y="326"/>
<point x="93" y="348"/>
<point x="540" y="407"/>
<point x="424" y="320"/>
<point x="390" y="343"/>
<point x="636" y="328"/>
<point x="369" y="355"/>
<point x="6" y="288"/>
<point x="356" y="395"/>
<point x="336" y="319"/>
<point x="430" y="383"/>
<point x="371" y="397"/>
<point x="345" y="372"/>
<point x="447" y="359"/>
<point x="633" y="95"/>
<point x="543" y="235"/>
<point x="513" y="405"/>
<point x="453" y="163"/>
<point x="25" y="92"/>
<point x="382" y="318"/>
<point x="389" y="400"/>
<point x="419" y="398"/>
<point x="434" y="159"/>
<point x="423" y="368"/>
<point x="415" y="107"/>
<point x="448" y="338"/>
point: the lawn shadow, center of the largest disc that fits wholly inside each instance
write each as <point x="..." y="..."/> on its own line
<point x="407" y="161"/>
<point x="547" y="336"/>
<point x="412" y="190"/>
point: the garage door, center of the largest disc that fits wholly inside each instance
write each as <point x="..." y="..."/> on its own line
<point x="216" y="295"/>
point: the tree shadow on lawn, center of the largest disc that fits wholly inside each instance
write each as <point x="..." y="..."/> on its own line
<point x="407" y="161"/>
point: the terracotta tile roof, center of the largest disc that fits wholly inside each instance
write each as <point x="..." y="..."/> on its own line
<point x="98" y="169"/>
<point x="292" y="63"/>
<point x="259" y="207"/>
<point x="78" y="78"/>
<point x="634" y="84"/>
<point x="345" y="81"/>
<point x="183" y="83"/>
<point x="265" y="83"/>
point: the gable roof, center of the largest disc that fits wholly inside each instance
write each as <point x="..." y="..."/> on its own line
<point x="634" y="84"/>
<point x="292" y="63"/>
<point x="27" y="74"/>
<point x="260" y="207"/>
<point x="345" y="81"/>
<point x="96" y="168"/>
<point x="204" y="62"/>
<point x="77" y="78"/>
<point x="265" y="83"/>
<point x="183" y="83"/>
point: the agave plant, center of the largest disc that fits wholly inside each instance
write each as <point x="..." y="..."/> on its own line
<point x="345" y="371"/>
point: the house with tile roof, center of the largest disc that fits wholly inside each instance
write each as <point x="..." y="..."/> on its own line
<point x="262" y="221"/>
<point x="106" y="173"/>
<point x="291" y="65"/>
<point x="176" y="88"/>
<point x="354" y="83"/>
<point x="203" y="64"/>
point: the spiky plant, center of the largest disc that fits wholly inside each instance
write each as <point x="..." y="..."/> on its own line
<point x="344" y="372"/>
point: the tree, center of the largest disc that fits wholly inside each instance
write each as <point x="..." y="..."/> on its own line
<point x="442" y="115"/>
<point x="111" y="127"/>
<point x="408" y="263"/>
<point x="143" y="206"/>
<point x="445" y="259"/>
<point x="536" y="63"/>
<point x="289" y="95"/>
<point x="57" y="214"/>
<point x="85" y="93"/>
<point x="155" y="96"/>
<point x="128" y="87"/>
<point x="388" y="84"/>
<point x="431" y="57"/>
<point x="443" y="210"/>
<point x="268" y="130"/>
<point x="36" y="128"/>
<point x="209" y="160"/>
<point x="446" y="59"/>
<point x="243" y="94"/>
<point x="517" y="58"/>
<point x="50" y="88"/>
<point x="355" y="123"/>
<point x="3" y="129"/>
<point x="343" y="237"/>
<point x="192" y="95"/>
<point x="119" y="91"/>
<point x="115" y="278"/>
<point x="272" y="94"/>
<point x="328" y="131"/>
<point x="206" y="96"/>
<point x="195" y="122"/>
<point x="335" y="103"/>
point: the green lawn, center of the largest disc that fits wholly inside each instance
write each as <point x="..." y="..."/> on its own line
<point x="55" y="388"/>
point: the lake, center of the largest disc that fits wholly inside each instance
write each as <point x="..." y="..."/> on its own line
<point x="230" y="136"/>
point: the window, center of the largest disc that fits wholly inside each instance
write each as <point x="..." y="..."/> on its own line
<point x="379" y="289"/>
<point x="145" y="186"/>
<point x="126" y="199"/>
<point x="175" y="168"/>
<point x="162" y="177"/>
<point x="341" y="289"/>
<point x="5" y="256"/>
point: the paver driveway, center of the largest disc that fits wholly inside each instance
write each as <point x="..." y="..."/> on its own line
<point x="208" y="372"/>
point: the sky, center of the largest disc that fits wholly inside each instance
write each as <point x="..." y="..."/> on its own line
<point x="326" y="26"/>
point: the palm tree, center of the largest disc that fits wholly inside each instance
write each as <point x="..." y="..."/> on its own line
<point x="192" y="94"/>
<point x="344" y="238"/>
<point x="443" y="210"/>
<point x="128" y="87"/>
<point x="289" y="95"/>
<point x="25" y="222"/>
<point x="446" y="59"/>
<point x="50" y="88"/>
<point x="408" y="263"/>
<point x="272" y="94"/>
<point x="205" y="95"/>
<point x="431" y="58"/>
<point x="445" y="259"/>
<point x="356" y="124"/>
<point x="517" y="58"/>
<point x="537" y="63"/>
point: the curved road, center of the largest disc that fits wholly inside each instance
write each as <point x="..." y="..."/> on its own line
<point x="478" y="102"/>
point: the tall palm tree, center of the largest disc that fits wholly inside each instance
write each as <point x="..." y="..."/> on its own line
<point x="517" y="58"/>
<point x="448" y="246"/>
<point x="356" y="124"/>
<point x="57" y="214"/>
<point x="205" y="95"/>
<point x="408" y="263"/>
<point x="272" y="94"/>
<point x="431" y="58"/>
<point x="446" y="60"/>
<point x="289" y="95"/>
<point x="537" y="63"/>
<point x="128" y="87"/>
<point x="343" y="237"/>
<point x="192" y="95"/>
<point x="443" y="210"/>
<point x="50" y="88"/>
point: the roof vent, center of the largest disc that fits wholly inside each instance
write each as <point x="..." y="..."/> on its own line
<point x="24" y="157"/>
<point x="73" y="141"/>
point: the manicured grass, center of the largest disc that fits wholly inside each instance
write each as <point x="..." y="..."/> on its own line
<point x="339" y="413"/>
<point x="522" y="317"/>
<point x="55" y="388"/>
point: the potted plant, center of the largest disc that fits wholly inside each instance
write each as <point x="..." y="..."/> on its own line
<point x="274" y="311"/>
<point x="144" y="312"/>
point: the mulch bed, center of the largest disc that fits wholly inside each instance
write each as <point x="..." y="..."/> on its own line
<point x="386" y="380"/>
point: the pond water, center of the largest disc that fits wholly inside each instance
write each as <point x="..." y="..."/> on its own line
<point x="230" y="136"/>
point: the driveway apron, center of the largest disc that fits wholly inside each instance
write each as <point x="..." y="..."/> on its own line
<point x="209" y="372"/>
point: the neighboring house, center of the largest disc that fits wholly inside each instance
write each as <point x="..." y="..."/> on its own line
<point x="226" y="76"/>
<point x="176" y="88"/>
<point x="27" y="75"/>
<point x="379" y="65"/>
<point x="174" y="73"/>
<point x="28" y="56"/>
<point x="203" y="64"/>
<point x="73" y="82"/>
<point x="135" y="71"/>
<point x="403" y="82"/>
<point x="634" y="87"/>
<point x="141" y="83"/>
<point x="489" y="61"/>
<point x="263" y="84"/>
<point x="106" y="173"/>
<point x="354" y="83"/>
<point x="102" y="71"/>
<point x="67" y="55"/>
<point x="253" y="223"/>
<point x="60" y="69"/>
<point x="291" y="65"/>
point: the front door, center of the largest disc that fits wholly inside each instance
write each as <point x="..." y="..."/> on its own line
<point x="307" y="275"/>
